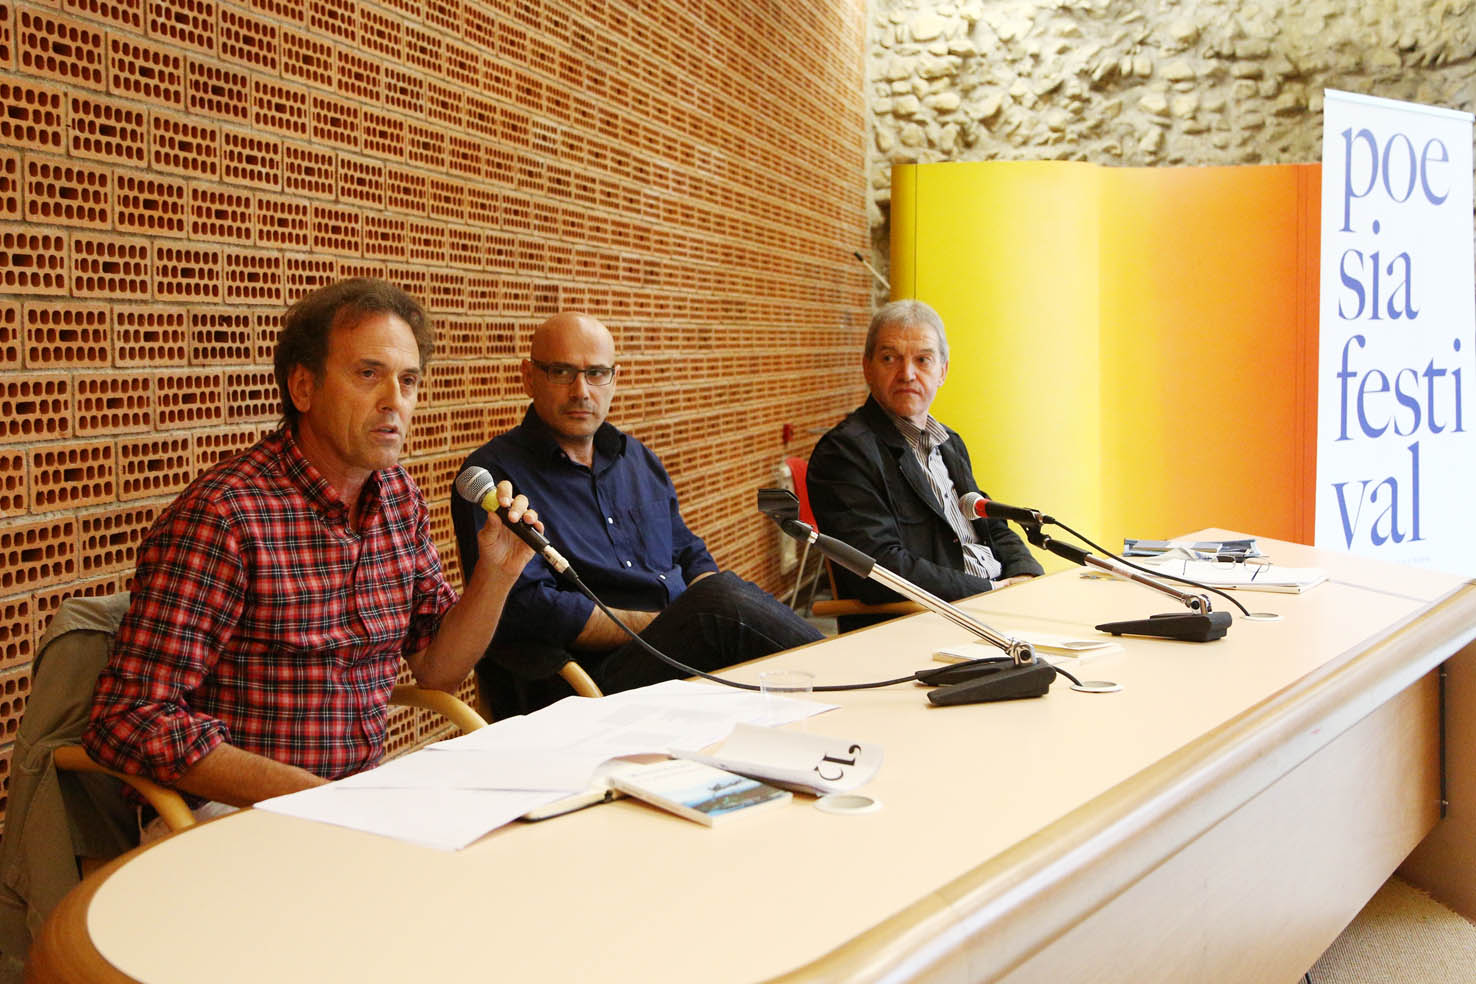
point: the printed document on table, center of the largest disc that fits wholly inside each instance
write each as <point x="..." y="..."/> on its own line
<point x="453" y="792"/>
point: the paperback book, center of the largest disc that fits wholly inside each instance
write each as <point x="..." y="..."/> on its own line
<point x="697" y="791"/>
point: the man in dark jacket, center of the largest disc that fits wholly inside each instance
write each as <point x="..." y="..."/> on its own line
<point x="887" y="479"/>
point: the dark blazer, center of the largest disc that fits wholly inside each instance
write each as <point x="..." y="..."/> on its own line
<point x="867" y="489"/>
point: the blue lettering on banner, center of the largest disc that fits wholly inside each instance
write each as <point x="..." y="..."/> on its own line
<point x="1384" y="174"/>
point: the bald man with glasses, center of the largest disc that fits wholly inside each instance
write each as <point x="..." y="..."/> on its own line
<point x="608" y="505"/>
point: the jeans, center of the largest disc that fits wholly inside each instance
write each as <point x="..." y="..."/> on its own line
<point x="719" y="621"/>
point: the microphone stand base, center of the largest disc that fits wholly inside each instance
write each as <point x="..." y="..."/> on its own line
<point x="1013" y="683"/>
<point x="1185" y="626"/>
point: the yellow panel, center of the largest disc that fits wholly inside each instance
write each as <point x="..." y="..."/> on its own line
<point x="1133" y="350"/>
<point x="1007" y="253"/>
<point x="1204" y="346"/>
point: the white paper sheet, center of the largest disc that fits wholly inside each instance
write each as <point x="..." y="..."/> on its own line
<point x="451" y="793"/>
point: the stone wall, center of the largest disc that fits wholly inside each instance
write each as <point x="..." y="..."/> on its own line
<point x="1144" y="83"/>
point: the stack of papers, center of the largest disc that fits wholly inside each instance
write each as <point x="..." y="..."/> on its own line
<point x="1249" y="577"/>
<point x="1053" y="648"/>
<point x="451" y="793"/>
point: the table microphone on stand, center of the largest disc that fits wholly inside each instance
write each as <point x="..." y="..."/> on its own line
<point x="1017" y="675"/>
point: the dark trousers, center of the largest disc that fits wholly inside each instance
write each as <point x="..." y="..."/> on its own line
<point x="719" y="621"/>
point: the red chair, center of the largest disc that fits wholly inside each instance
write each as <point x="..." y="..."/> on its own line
<point x="837" y="605"/>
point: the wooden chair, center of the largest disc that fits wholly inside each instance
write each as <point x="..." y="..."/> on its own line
<point x="837" y="606"/>
<point x="101" y="620"/>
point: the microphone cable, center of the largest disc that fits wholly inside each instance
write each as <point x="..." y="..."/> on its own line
<point x="1149" y="571"/>
<point x="573" y="577"/>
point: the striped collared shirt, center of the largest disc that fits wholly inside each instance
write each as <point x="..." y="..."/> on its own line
<point x="978" y="559"/>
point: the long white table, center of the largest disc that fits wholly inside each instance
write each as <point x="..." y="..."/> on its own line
<point x="1222" y="818"/>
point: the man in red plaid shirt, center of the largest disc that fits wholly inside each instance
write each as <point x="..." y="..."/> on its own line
<point x="275" y="598"/>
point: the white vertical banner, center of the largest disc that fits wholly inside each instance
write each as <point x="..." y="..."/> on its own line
<point x="1396" y="435"/>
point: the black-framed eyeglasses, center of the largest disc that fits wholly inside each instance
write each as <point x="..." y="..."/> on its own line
<point x="564" y="374"/>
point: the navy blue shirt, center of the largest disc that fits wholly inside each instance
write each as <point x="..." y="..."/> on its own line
<point x="617" y="524"/>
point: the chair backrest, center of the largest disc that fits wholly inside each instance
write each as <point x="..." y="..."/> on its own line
<point x="798" y="467"/>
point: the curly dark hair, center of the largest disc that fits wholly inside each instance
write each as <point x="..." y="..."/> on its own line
<point x="309" y="322"/>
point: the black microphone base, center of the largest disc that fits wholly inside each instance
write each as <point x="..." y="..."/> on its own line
<point x="1012" y="683"/>
<point x="1186" y="626"/>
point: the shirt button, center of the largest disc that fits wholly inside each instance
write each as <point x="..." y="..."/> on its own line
<point x="627" y="563"/>
<point x="610" y="519"/>
<point x="662" y="576"/>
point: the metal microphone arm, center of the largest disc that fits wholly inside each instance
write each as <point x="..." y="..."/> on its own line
<point x="1190" y="600"/>
<point x="858" y="563"/>
<point x="1200" y="624"/>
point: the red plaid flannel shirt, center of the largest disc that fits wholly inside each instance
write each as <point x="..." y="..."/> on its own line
<point x="259" y="618"/>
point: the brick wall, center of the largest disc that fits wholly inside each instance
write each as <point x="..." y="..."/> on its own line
<point x="174" y="172"/>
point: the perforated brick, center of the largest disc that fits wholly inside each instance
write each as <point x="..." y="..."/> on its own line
<point x="279" y="106"/>
<point x="281" y="221"/>
<point x="249" y="40"/>
<point x="465" y="246"/>
<point x="426" y="241"/>
<point x="15" y="691"/>
<point x="220" y="336"/>
<point x="253" y="277"/>
<point x="357" y="76"/>
<point x="10" y="333"/>
<point x="337" y="230"/>
<point x="423" y="49"/>
<point x="385" y="236"/>
<point x="71" y="193"/>
<point x="68" y="476"/>
<point x="150" y="204"/>
<point x="301" y="275"/>
<point x="37" y="554"/>
<point x="35" y="407"/>
<point x="308" y="171"/>
<point x="214" y="446"/>
<point x="404" y="91"/>
<point x="183" y="145"/>
<point x="13" y="489"/>
<point x="338" y="18"/>
<point x="463" y="66"/>
<point x="62" y="48"/>
<point x="10" y="184"/>
<point x="151" y="73"/>
<point x="429" y="432"/>
<point x="112" y="403"/>
<point x="187" y="272"/>
<point x="268" y="325"/>
<point x="250" y="159"/>
<point x="372" y="269"/>
<point x="220" y="214"/>
<point x="66" y="334"/>
<point x="335" y="121"/>
<point x="217" y="90"/>
<point x="189" y="399"/>
<point x="149" y="335"/>
<point x="445" y="291"/>
<point x="382" y="135"/>
<point x="125" y="13"/>
<point x="406" y="190"/>
<point x="35" y="114"/>
<point x="360" y="181"/>
<point x="379" y="32"/>
<point x="187" y="22"/>
<point x="251" y="394"/>
<point x="154" y="466"/>
<point x="468" y="426"/>
<point x="109" y="536"/>
<point x="16" y="632"/>
<point x="33" y="261"/>
<point x="307" y="57"/>
<point x="106" y="129"/>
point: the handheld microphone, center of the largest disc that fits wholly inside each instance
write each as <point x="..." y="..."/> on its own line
<point x="476" y="485"/>
<point x="975" y="506"/>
